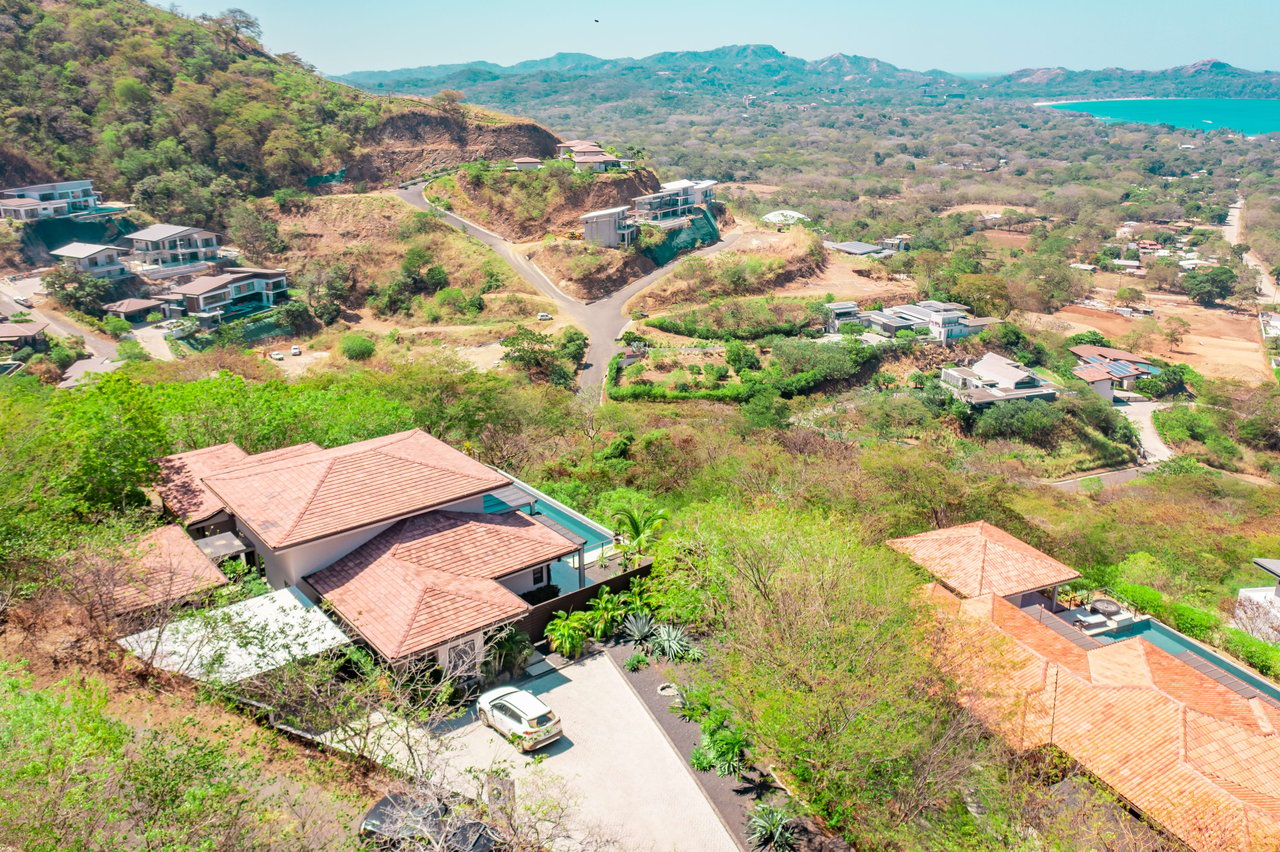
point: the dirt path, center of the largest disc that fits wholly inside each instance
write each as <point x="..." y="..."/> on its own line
<point x="603" y="319"/>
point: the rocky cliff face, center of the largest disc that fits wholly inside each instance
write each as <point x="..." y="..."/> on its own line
<point x="414" y="142"/>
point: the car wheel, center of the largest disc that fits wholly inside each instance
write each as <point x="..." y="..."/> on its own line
<point x="484" y="719"/>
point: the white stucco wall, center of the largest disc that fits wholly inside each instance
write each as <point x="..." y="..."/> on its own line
<point x="522" y="581"/>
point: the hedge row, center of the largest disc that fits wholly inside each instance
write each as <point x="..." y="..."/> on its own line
<point x="691" y="328"/>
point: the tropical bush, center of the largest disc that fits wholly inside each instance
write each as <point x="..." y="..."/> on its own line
<point x="567" y="633"/>
<point x="507" y="653"/>
<point x="636" y="662"/>
<point x="1145" y="598"/>
<point x="1263" y="656"/>
<point x="604" y="614"/>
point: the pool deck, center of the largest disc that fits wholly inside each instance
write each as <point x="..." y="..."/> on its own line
<point x="1039" y="607"/>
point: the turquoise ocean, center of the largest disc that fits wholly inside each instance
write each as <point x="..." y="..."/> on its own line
<point x="1250" y="116"/>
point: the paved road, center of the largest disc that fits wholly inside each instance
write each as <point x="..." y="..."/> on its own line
<point x="1233" y="232"/>
<point x="1111" y="477"/>
<point x="602" y="319"/>
<point x="1139" y="414"/>
<point x="102" y="350"/>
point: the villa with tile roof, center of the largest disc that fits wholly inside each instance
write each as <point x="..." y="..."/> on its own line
<point x="1104" y="369"/>
<point x="419" y="548"/>
<point x="1180" y="735"/>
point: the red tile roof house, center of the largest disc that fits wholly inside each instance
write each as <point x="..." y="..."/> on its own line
<point x="395" y="534"/>
<point x="1190" y="747"/>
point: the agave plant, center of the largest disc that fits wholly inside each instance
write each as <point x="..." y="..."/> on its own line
<point x="638" y="628"/>
<point x="771" y="827"/>
<point x="670" y="641"/>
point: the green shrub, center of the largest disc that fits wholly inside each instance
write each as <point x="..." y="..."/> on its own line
<point x="1145" y="598"/>
<point x="116" y="327"/>
<point x="62" y="357"/>
<point x="131" y="350"/>
<point x="771" y="827"/>
<point x="155" y="316"/>
<point x="1263" y="656"/>
<point x="357" y="347"/>
<point x="701" y="758"/>
<point x="1196" y="623"/>
<point x="636" y="662"/>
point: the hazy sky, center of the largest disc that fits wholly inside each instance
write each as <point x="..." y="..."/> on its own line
<point x="973" y="36"/>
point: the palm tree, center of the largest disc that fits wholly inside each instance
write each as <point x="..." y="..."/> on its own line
<point x="639" y="530"/>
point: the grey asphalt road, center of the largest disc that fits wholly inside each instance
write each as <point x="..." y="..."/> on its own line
<point x="102" y="350"/>
<point x="602" y="320"/>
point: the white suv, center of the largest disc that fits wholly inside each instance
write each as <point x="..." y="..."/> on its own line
<point x="519" y="716"/>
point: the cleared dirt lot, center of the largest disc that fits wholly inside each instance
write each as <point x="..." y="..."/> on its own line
<point x="847" y="278"/>
<point x="1222" y="343"/>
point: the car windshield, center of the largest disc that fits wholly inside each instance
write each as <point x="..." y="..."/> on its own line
<point x="542" y="721"/>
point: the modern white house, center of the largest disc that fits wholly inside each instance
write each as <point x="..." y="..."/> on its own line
<point x="944" y="321"/>
<point x="96" y="260"/>
<point x="235" y="293"/>
<point x="171" y="250"/>
<point x="48" y="200"/>
<point x="527" y="164"/>
<point x="669" y="209"/>
<point x="420" y="550"/>
<point x="609" y="228"/>
<point x="994" y="378"/>
<point x="676" y="199"/>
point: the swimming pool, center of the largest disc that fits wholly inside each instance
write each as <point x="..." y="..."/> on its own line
<point x="1168" y="639"/>
<point x="575" y="524"/>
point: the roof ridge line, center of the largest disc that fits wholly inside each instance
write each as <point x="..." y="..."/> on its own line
<point x="297" y="519"/>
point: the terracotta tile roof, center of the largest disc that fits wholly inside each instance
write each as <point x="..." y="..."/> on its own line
<point x="169" y="567"/>
<point x="429" y="579"/>
<point x="1199" y="760"/>
<point x="977" y="558"/>
<point x="179" y="480"/>
<point x="1091" y="373"/>
<point x="288" y="501"/>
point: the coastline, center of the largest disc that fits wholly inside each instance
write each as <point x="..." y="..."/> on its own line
<point x="1146" y="98"/>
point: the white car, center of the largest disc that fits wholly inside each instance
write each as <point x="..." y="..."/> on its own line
<point x="277" y="356"/>
<point x="24" y="301"/>
<point x="519" y="716"/>
<point x="295" y="350"/>
<point x="544" y="316"/>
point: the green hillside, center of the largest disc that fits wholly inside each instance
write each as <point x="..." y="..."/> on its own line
<point x="181" y="115"/>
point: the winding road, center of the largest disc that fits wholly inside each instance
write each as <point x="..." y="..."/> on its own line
<point x="102" y="350"/>
<point x="603" y="320"/>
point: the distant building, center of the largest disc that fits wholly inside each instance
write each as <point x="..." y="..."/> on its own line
<point x="674" y="200"/>
<point x="565" y="149"/>
<point x="236" y="293"/>
<point x="608" y="228"/>
<point x="902" y="242"/>
<point x="48" y="200"/>
<point x="595" y="161"/>
<point x="840" y="312"/>
<point x="134" y="310"/>
<point x="945" y="321"/>
<point x="994" y="378"/>
<point x="527" y="164"/>
<point x="669" y="209"/>
<point x="853" y="247"/>
<point x="1104" y="369"/>
<point x="176" y="249"/>
<point x="23" y="334"/>
<point x="96" y="260"/>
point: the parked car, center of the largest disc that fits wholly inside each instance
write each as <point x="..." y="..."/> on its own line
<point x="519" y="716"/>
<point x="24" y="301"/>
<point x="395" y="821"/>
<point x="295" y="350"/>
<point x="544" y="316"/>
<point x="277" y="356"/>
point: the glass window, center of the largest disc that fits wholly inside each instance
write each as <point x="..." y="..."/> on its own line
<point x="538" y="575"/>
<point x="462" y="658"/>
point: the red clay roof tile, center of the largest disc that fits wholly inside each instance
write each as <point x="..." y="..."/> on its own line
<point x="978" y="558"/>
<point x="429" y="579"/>
<point x="290" y="500"/>
<point x="169" y="567"/>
